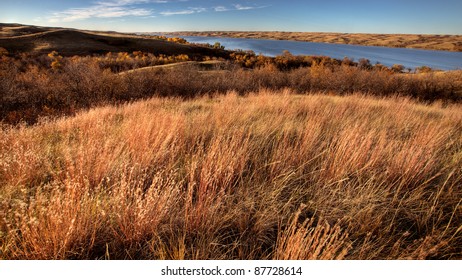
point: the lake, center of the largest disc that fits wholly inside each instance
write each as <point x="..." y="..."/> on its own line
<point x="410" y="58"/>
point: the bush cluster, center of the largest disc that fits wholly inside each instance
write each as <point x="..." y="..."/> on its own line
<point x="51" y="85"/>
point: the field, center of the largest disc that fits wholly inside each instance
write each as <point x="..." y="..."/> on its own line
<point x="272" y="175"/>
<point x="415" y="41"/>
<point x="144" y="155"/>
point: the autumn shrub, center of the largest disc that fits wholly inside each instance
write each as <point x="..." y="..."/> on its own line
<point x="3" y="52"/>
<point x="32" y="87"/>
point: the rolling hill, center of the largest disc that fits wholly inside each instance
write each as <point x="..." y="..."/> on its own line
<point x="68" y="42"/>
<point x="413" y="41"/>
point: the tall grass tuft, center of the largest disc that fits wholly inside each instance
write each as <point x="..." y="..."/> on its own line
<point x="268" y="175"/>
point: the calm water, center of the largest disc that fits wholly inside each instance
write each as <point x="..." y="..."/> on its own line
<point x="410" y="58"/>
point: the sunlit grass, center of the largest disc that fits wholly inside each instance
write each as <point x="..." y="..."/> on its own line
<point x="272" y="175"/>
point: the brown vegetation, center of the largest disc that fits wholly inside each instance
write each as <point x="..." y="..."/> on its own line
<point x="416" y="41"/>
<point x="272" y="175"/>
<point x="142" y="155"/>
<point x="34" y="86"/>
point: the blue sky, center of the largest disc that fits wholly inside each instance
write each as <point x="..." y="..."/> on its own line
<point x="384" y="16"/>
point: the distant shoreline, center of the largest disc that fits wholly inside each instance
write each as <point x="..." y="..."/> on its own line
<point x="413" y="41"/>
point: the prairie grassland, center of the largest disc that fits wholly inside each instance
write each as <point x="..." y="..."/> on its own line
<point x="415" y="41"/>
<point x="269" y="175"/>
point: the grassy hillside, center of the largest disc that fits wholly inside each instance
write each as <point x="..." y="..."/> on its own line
<point x="69" y="42"/>
<point x="415" y="41"/>
<point x="272" y="175"/>
<point x="12" y="29"/>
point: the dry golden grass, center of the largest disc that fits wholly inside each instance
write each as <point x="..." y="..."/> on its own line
<point x="416" y="41"/>
<point x="272" y="175"/>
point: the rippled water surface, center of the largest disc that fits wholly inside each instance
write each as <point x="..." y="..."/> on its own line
<point x="410" y="58"/>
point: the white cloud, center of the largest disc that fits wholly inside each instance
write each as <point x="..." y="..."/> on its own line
<point x="188" y="11"/>
<point x="118" y="3"/>
<point x="131" y="2"/>
<point x="239" y="7"/>
<point x="236" y="7"/>
<point x="221" y="9"/>
<point x="124" y="8"/>
<point x="104" y="9"/>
